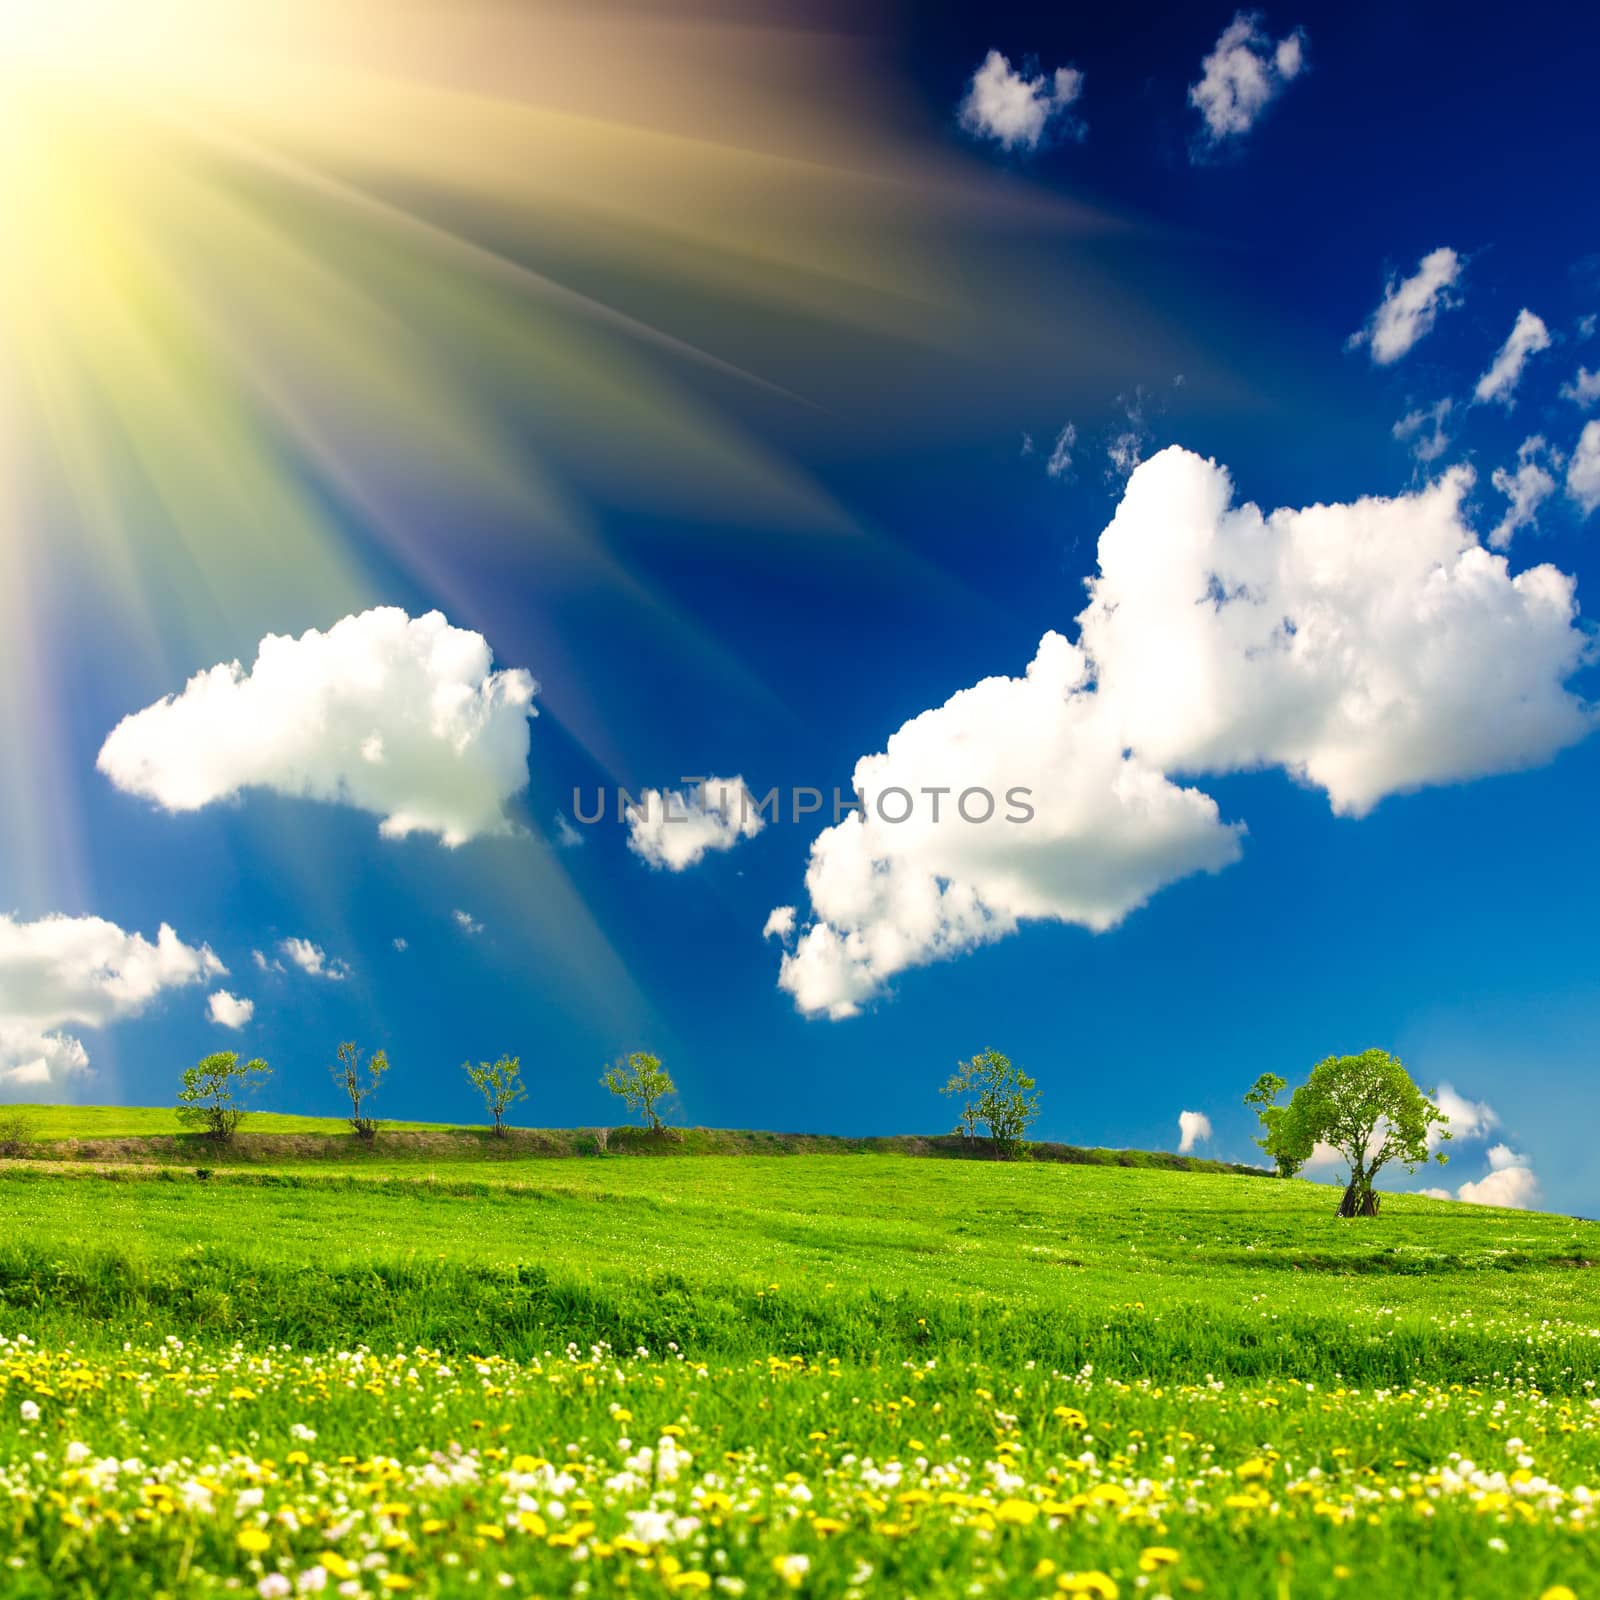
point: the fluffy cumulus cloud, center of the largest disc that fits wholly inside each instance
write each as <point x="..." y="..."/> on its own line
<point x="1409" y="308"/>
<point x="1245" y="72"/>
<point x="968" y="863"/>
<point x="1469" y="1119"/>
<point x="61" y="972"/>
<point x="1583" y="469"/>
<point x="675" y="828"/>
<point x="1366" y="648"/>
<point x="402" y="717"/>
<point x="1527" y="338"/>
<point x="1194" y="1127"/>
<point x="1016" y="109"/>
<point x="467" y="923"/>
<point x="1424" y="430"/>
<point x="779" y="923"/>
<point x="228" y="1010"/>
<point x="1526" y="488"/>
<point x="1510" y="1182"/>
<point x="310" y="958"/>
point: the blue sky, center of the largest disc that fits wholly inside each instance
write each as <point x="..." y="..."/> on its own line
<point x="1181" y="291"/>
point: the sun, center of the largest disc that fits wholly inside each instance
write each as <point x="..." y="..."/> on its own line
<point x="295" y="295"/>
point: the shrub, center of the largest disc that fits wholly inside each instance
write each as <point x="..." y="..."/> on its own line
<point x="16" y="1133"/>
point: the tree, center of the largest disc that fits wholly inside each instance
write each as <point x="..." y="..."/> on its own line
<point x="641" y="1085"/>
<point x="500" y="1084"/>
<point x="1263" y="1096"/>
<point x="16" y="1133"/>
<point x="1367" y="1108"/>
<point x="998" y="1095"/>
<point x="213" y="1090"/>
<point x="359" y="1078"/>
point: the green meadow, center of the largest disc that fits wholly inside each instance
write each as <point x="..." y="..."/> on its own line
<point x="456" y="1366"/>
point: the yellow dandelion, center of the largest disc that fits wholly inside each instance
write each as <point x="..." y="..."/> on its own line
<point x="1017" y="1512"/>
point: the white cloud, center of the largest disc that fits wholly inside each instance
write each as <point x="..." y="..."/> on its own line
<point x="313" y="960"/>
<point x="265" y="963"/>
<point x="1367" y="649"/>
<point x="1584" y="389"/>
<point x="567" y="836"/>
<point x="1409" y="308"/>
<point x="402" y="945"/>
<point x="61" y="971"/>
<point x="1060" y="463"/>
<point x="1127" y="446"/>
<point x="1194" y="1127"/>
<point x="467" y="923"/>
<point x="674" y="828"/>
<point x="1583" y="469"/>
<point x="1243" y="75"/>
<point x="1425" y="429"/>
<point x="1108" y="831"/>
<point x="1528" y="337"/>
<point x="1527" y="489"/>
<point x="1511" y="1182"/>
<point x="1469" y="1119"/>
<point x="1015" y="110"/>
<point x="400" y="717"/>
<point x="229" y="1011"/>
<point x="779" y="923"/>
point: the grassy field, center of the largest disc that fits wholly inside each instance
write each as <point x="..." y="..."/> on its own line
<point x="819" y="1373"/>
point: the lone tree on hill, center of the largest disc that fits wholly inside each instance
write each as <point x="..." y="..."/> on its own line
<point x="500" y="1084"/>
<point x="1263" y="1097"/>
<point x="1367" y="1108"/>
<point x="997" y="1094"/>
<point x="212" y="1091"/>
<point x="641" y="1085"/>
<point x="359" y="1078"/>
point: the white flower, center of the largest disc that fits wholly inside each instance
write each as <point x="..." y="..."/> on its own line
<point x="30" y="1411"/>
<point x="77" y="1452"/>
<point x="273" y="1587"/>
<point x="650" y="1527"/>
<point x="312" y="1581"/>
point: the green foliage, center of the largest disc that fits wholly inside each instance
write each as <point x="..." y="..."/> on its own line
<point x="16" y="1133"/>
<point x="360" y="1078"/>
<point x="1263" y="1097"/>
<point x="500" y="1084"/>
<point x="1368" y="1109"/>
<point x="1000" y="1096"/>
<point x="641" y="1085"/>
<point x="213" y="1091"/>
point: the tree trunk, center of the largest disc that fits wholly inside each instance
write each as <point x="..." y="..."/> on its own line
<point x="1362" y="1203"/>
